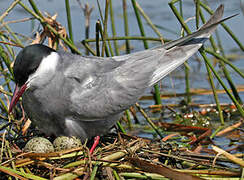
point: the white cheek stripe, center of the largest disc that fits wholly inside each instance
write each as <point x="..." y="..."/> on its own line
<point x="48" y="65"/>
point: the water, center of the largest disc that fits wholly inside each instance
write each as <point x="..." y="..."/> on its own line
<point x="160" y="14"/>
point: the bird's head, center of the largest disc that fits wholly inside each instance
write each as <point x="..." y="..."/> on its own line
<point x="32" y="69"/>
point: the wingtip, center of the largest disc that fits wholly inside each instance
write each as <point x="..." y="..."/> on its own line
<point x="217" y="15"/>
<point x="221" y="7"/>
<point x="205" y="31"/>
<point x="216" y="18"/>
<point x="220" y="10"/>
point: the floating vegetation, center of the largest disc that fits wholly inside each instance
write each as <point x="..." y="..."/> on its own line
<point x="185" y="140"/>
<point x="125" y="156"/>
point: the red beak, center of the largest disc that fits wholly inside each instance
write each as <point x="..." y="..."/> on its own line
<point x="18" y="91"/>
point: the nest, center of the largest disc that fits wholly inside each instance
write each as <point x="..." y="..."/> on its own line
<point x="118" y="155"/>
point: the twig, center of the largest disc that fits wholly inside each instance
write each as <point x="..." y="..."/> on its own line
<point x="9" y="9"/>
<point x="15" y="21"/>
<point x="149" y="120"/>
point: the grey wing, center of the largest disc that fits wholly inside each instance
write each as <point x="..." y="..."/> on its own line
<point x="178" y="51"/>
<point x="105" y="86"/>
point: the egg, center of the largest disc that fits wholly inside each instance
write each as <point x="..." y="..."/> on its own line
<point x="39" y="145"/>
<point x="65" y="142"/>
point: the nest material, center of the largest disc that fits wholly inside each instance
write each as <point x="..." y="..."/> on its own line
<point x="123" y="155"/>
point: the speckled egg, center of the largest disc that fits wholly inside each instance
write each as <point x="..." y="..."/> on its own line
<point x="65" y="142"/>
<point x="39" y="145"/>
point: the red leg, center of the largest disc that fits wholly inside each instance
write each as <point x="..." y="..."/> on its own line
<point x="96" y="141"/>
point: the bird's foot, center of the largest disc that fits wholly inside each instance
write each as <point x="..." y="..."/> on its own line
<point x="96" y="142"/>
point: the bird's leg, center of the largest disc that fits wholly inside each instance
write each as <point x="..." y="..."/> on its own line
<point x="96" y="141"/>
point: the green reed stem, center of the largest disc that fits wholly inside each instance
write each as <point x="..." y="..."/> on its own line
<point x="186" y="65"/>
<point x="89" y="48"/>
<point x="206" y="59"/>
<point x="187" y="81"/>
<point x="121" y="127"/>
<point x="26" y="175"/>
<point x="181" y="8"/>
<point x="148" y="20"/>
<point x="156" y="87"/>
<point x="211" y="81"/>
<point x="183" y="24"/>
<point x="231" y="83"/>
<point x="215" y="94"/>
<point x="157" y="95"/>
<point x="129" y="38"/>
<point x="8" y="9"/>
<point x="34" y="7"/>
<point x="99" y="28"/>
<point x="127" y="113"/>
<point x="105" y="45"/>
<point x="178" y="16"/>
<point x="103" y="32"/>
<point x="149" y="120"/>
<point x="86" y="41"/>
<point x="3" y="106"/>
<point x="9" y="48"/>
<point x="197" y="13"/>
<point x="95" y="168"/>
<point x="144" y="175"/>
<point x="10" y="155"/>
<point x="216" y="131"/>
<point x="213" y="44"/>
<point x="97" y="38"/>
<point x="225" y="71"/>
<point x="100" y="10"/>
<point x="44" y="23"/>
<point x="67" y="6"/>
<point x="225" y="27"/>
<point x="239" y="107"/>
<point x="113" y="27"/>
<point x="127" y="47"/>
<point x="6" y="75"/>
<point x="141" y="28"/>
<point x="94" y="171"/>
<point x="105" y="23"/>
<point x="104" y="39"/>
<point x="6" y="59"/>
<point x="225" y="60"/>
<point x="109" y="43"/>
<point x="16" y="39"/>
<point x="227" y="74"/>
<point x="116" y="176"/>
<point x="6" y="92"/>
<point x="126" y="27"/>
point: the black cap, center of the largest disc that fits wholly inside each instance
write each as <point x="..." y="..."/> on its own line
<point x="28" y="60"/>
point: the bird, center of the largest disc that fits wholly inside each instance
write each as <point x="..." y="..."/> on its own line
<point x="84" y="96"/>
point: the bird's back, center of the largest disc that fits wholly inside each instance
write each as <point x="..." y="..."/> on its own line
<point x="90" y="93"/>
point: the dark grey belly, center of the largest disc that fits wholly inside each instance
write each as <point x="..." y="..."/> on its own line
<point x="52" y="123"/>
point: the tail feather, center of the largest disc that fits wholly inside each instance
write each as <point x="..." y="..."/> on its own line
<point x="205" y="31"/>
<point x="178" y="51"/>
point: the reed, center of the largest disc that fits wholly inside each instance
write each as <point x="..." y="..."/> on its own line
<point x="125" y="156"/>
<point x="67" y="7"/>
